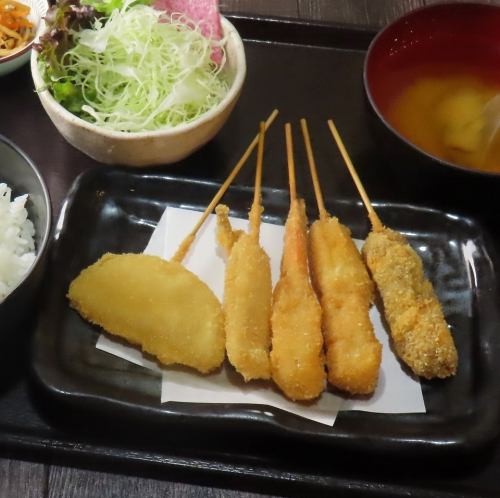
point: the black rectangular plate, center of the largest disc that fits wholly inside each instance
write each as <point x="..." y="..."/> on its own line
<point x="113" y="210"/>
<point x="306" y="70"/>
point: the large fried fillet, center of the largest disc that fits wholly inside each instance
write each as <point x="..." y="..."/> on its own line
<point x="156" y="304"/>
<point x="353" y="354"/>
<point x="418" y="328"/>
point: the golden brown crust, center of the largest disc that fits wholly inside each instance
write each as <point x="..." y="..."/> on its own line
<point x="420" y="334"/>
<point x="153" y="303"/>
<point x="247" y="308"/>
<point x="226" y="236"/>
<point x="297" y="359"/>
<point x="353" y="354"/>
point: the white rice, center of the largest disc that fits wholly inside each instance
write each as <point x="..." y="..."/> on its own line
<point x="17" y="246"/>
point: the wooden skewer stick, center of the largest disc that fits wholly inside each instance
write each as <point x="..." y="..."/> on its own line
<point x="377" y="225"/>
<point x="323" y="213"/>
<point x="256" y="210"/>
<point x="291" y="162"/>
<point x="186" y="243"/>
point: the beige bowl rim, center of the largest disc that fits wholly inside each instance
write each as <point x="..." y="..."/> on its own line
<point x="231" y="35"/>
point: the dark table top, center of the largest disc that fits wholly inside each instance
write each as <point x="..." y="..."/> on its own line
<point x="24" y="478"/>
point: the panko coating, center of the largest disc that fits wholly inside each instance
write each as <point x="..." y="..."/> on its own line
<point x="156" y="304"/>
<point x="419" y="331"/>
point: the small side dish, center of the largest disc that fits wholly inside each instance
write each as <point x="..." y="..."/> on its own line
<point x="17" y="246"/>
<point x="16" y="30"/>
<point x="134" y="83"/>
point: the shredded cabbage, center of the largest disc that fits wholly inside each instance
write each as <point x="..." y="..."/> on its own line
<point x="141" y="69"/>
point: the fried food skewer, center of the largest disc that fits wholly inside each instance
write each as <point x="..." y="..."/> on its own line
<point x="419" y="331"/>
<point x="247" y="287"/>
<point x="186" y="243"/>
<point x="256" y="210"/>
<point x="156" y="304"/>
<point x="377" y="224"/>
<point x="297" y="359"/>
<point x="345" y="290"/>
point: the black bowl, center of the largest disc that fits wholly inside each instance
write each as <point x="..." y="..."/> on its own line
<point x="22" y="176"/>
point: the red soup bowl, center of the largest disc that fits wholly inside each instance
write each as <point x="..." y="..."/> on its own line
<point x="434" y="40"/>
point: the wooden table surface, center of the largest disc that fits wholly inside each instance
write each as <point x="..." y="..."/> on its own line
<point x="25" y="479"/>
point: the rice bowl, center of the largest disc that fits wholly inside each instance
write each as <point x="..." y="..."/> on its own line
<point x="17" y="246"/>
<point x="22" y="176"/>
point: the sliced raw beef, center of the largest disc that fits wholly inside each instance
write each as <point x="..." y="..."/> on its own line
<point x="206" y="12"/>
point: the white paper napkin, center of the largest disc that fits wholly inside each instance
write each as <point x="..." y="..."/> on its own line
<point x="397" y="392"/>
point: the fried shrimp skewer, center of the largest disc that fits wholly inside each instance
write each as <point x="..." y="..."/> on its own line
<point x="345" y="290"/>
<point x="156" y="304"/>
<point x="297" y="359"/>
<point x="247" y="288"/>
<point x="419" y="331"/>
